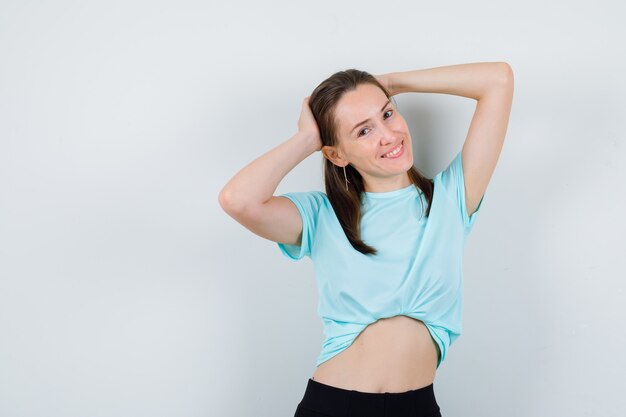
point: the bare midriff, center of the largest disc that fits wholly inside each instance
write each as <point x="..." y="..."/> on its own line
<point x="395" y="354"/>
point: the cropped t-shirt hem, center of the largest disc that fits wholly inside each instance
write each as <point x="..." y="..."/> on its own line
<point x="440" y="344"/>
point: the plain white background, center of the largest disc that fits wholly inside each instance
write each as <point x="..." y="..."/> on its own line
<point x="125" y="290"/>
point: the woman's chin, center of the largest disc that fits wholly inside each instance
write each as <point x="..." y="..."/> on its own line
<point x="408" y="164"/>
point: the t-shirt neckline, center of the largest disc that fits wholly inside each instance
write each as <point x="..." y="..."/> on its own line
<point x="387" y="194"/>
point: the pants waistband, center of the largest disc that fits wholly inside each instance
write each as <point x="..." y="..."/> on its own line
<point x="335" y="401"/>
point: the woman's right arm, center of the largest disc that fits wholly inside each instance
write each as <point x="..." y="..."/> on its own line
<point x="249" y="196"/>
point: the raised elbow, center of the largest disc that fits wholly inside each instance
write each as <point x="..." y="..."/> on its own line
<point x="227" y="201"/>
<point x="506" y="73"/>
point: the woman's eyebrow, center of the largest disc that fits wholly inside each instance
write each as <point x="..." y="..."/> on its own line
<point x="367" y="120"/>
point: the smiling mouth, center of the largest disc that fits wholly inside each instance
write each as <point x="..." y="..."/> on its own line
<point x="396" y="152"/>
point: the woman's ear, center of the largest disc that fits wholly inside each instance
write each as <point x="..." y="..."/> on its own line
<point x="334" y="155"/>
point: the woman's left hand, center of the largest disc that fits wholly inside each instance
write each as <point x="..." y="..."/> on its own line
<point x="386" y="81"/>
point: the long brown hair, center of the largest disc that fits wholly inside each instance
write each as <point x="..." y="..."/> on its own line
<point x="347" y="203"/>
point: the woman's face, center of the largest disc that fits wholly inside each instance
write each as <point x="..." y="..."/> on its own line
<point x="374" y="138"/>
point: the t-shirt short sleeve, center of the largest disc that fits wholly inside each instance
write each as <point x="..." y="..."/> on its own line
<point x="454" y="181"/>
<point x="308" y="204"/>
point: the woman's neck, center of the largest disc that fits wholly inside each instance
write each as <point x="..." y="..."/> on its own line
<point x="385" y="184"/>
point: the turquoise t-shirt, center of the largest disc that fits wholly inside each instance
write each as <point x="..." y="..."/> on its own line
<point x="417" y="271"/>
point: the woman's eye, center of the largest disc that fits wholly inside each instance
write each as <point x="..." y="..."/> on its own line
<point x="388" y="111"/>
<point x="363" y="130"/>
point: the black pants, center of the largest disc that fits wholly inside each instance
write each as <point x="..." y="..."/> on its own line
<point x="321" y="400"/>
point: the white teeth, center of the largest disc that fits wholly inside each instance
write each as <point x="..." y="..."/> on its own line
<point x="394" y="152"/>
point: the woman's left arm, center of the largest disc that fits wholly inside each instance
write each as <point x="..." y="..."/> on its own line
<point x="491" y="84"/>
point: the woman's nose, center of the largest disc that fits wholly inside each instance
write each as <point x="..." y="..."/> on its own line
<point x="386" y="135"/>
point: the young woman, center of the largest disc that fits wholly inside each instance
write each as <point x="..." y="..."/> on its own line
<point x="386" y="242"/>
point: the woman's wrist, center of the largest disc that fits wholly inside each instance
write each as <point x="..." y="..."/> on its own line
<point x="309" y="139"/>
<point x="387" y="81"/>
<point x="405" y="81"/>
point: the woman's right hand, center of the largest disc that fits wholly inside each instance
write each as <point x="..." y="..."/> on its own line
<point x="308" y="126"/>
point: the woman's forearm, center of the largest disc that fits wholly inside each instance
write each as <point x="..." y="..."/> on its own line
<point x="256" y="182"/>
<point x="467" y="80"/>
